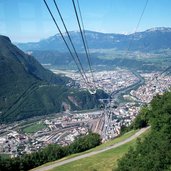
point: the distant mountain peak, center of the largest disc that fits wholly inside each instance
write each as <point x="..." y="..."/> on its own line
<point x="151" y="39"/>
<point x="162" y="29"/>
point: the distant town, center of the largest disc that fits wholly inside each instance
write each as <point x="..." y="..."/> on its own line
<point x="129" y="92"/>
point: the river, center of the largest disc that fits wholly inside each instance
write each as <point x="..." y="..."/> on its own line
<point x="118" y="94"/>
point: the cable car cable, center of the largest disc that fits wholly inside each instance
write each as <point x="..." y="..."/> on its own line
<point x="81" y="34"/>
<point x="83" y="28"/>
<point x="64" y="41"/>
<point x="72" y="44"/>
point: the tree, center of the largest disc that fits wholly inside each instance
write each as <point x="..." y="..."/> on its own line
<point x="154" y="152"/>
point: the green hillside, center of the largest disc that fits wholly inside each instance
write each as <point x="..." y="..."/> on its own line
<point x="105" y="161"/>
<point x="27" y="89"/>
<point x="154" y="153"/>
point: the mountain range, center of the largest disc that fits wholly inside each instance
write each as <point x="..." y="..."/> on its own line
<point x="27" y="89"/>
<point x="149" y="40"/>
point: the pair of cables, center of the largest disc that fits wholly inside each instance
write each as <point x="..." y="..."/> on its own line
<point x="74" y="55"/>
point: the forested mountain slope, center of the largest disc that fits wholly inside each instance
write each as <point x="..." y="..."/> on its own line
<point x="27" y="89"/>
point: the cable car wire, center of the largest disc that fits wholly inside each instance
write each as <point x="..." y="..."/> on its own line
<point x="84" y="44"/>
<point x="83" y="29"/>
<point x="137" y="26"/>
<point x="65" y="41"/>
<point x="72" y="44"/>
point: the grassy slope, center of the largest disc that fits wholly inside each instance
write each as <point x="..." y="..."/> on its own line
<point x="111" y="142"/>
<point x="105" y="161"/>
<point x="101" y="162"/>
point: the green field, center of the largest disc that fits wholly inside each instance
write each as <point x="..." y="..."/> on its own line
<point x="105" y="161"/>
<point x="34" y="127"/>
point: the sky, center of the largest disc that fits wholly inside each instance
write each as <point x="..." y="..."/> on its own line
<point x="29" y="20"/>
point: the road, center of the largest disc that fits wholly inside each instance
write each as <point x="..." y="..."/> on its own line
<point x="45" y="168"/>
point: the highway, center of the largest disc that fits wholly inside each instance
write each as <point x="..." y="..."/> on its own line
<point x="52" y="166"/>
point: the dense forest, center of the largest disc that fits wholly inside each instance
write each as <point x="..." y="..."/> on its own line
<point x="154" y="152"/>
<point x="50" y="153"/>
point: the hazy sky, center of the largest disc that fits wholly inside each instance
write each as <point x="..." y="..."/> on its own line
<point x="29" y="20"/>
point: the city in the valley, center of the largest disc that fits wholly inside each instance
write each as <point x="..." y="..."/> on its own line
<point x="128" y="90"/>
